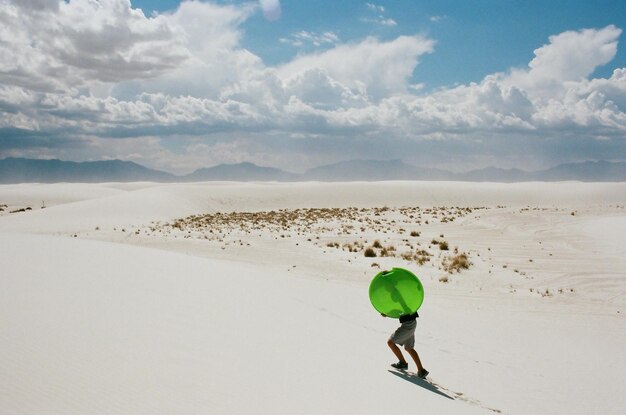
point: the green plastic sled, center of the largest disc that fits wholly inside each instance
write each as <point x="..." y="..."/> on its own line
<point x="397" y="292"/>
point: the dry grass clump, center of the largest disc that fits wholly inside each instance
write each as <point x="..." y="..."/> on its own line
<point x="369" y="253"/>
<point x="377" y="244"/>
<point x="388" y="251"/>
<point x="420" y="256"/>
<point x="351" y="247"/>
<point x="443" y="245"/>
<point x="444" y="279"/>
<point x="21" y="210"/>
<point x="456" y="263"/>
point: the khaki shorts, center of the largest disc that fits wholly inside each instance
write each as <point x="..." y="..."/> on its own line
<point x="405" y="334"/>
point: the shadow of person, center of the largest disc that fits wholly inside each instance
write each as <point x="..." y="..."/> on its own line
<point x="420" y="382"/>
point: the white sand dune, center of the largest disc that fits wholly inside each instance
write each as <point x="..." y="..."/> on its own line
<point x="157" y="324"/>
<point x="85" y="206"/>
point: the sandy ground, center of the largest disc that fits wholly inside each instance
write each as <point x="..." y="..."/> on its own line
<point x="252" y="298"/>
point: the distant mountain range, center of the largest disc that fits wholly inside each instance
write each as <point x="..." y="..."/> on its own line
<point x="19" y="170"/>
<point x="374" y="170"/>
<point x="240" y="172"/>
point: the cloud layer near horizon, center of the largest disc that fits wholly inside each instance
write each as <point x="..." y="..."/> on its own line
<point x="91" y="79"/>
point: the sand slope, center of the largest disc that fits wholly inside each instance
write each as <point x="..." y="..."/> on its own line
<point x="90" y="326"/>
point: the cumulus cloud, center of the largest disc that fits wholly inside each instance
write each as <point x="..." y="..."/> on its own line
<point x="54" y="45"/>
<point x="212" y="37"/>
<point x="271" y="9"/>
<point x="569" y="58"/>
<point x="371" y="67"/>
<point x="38" y="5"/>
<point x="79" y="73"/>
<point x="316" y="39"/>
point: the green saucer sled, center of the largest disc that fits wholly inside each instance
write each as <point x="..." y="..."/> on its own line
<point x="397" y="292"/>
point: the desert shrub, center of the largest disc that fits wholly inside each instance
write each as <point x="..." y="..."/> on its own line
<point x="377" y="244"/>
<point x="369" y="253"/>
<point x="415" y="233"/>
<point x="456" y="263"/>
<point x="443" y="245"/>
<point x="421" y="257"/>
<point x="444" y="279"/>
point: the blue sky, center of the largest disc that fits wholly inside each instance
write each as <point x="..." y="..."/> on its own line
<point x="474" y="38"/>
<point x="298" y="84"/>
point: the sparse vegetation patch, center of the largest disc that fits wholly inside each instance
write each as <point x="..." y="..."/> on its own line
<point x="336" y="228"/>
<point x="456" y="263"/>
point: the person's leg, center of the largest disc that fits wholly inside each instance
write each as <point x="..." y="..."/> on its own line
<point x="396" y="350"/>
<point x="415" y="357"/>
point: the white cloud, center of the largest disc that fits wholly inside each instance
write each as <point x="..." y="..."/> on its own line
<point x="212" y="35"/>
<point x="316" y="39"/>
<point x="91" y="70"/>
<point x="569" y="58"/>
<point x="271" y="9"/>
<point x="370" y="67"/>
<point x="375" y="8"/>
<point x="380" y="18"/>
<point x="552" y="96"/>
<point x="48" y="45"/>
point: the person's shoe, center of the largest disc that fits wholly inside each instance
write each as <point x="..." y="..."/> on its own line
<point x="400" y="365"/>
<point x="422" y="373"/>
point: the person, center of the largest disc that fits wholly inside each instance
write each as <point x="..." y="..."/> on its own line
<point x="405" y="336"/>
